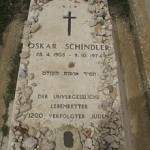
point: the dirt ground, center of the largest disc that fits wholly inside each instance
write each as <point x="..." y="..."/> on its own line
<point x="142" y="21"/>
<point x="12" y="37"/>
<point x="134" y="108"/>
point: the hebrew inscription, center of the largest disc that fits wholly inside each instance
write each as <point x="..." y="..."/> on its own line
<point x="67" y="93"/>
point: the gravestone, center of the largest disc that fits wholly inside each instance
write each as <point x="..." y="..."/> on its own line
<point x="67" y="94"/>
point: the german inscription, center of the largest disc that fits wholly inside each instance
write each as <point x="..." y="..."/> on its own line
<point x="67" y="83"/>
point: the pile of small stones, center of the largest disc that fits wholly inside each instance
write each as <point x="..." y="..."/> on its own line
<point x="24" y="91"/>
<point x="102" y="33"/>
<point x="107" y="136"/>
<point x="109" y="80"/>
<point x="100" y="21"/>
<point x="23" y="136"/>
<point x="32" y="25"/>
<point x="33" y="138"/>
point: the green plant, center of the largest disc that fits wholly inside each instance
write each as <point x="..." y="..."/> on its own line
<point x="5" y="117"/>
<point x="11" y="87"/>
<point x="101" y="22"/>
<point x="5" y="130"/>
<point x="122" y="6"/>
<point x="12" y="73"/>
<point x="9" y="9"/>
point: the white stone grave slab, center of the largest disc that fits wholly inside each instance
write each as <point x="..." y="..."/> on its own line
<point x="67" y="95"/>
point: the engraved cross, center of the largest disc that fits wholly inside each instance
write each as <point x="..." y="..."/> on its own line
<point x="69" y="17"/>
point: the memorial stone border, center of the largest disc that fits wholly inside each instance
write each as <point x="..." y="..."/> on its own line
<point x="30" y="130"/>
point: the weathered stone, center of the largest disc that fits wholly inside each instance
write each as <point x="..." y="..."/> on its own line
<point x="26" y="42"/>
<point x="22" y="102"/>
<point x="92" y="23"/>
<point x="35" y="27"/>
<point x="115" y="81"/>
<point x="17" y="116"/>
<point x="24" y="55"/>
<point x="17" y="147"/>
<point x="105" y="2"/>
<point x="113" y="95"/>
<point x="116" y="105"/>
<point x="114" y="65"/>
<point x="101" y="5"/>
<point x="103" y="146"/>
<point x="26" y="31"/>
<point x="45" y="141"/>
<point x="16" y="124"/>
<point x="112" y="132"/>
<point x="24" y="67"/>
<point x="104" y="105"/>
<point x="109" y="147"/>
<point x="30" y="143"/>
<point x="36" y="6"/>
<point x="91" y="8"/>
<point x="41" y="3"/>
<point x="83" y="137"/>
<point x="28" y="23"/>
<point x="110" y="139"/>
<point x="88" y="143"/>
<point x="106" y="91"/>
<point x="25" y="61"/>
<point x="35" y="13"/>
<point x="31" y="76"/>
<point x="111" y="88"/>
<point x="22" y="73"/>
<point x="110" y="27"/>
<point x="24" y="126"/>
<point x="24" y="82"/>
<point x="44" y="130"/>
<point x="37" y="125"/>
<point x="98" y="28"/>
<point x="34" y="84"/>
<point x="26" y="50"/>
<point x="49" y="146"/>
<point x="99" y="19"/>
<point x="108" y="33"/>
<point x="112" y="125"/>
<point x="107" y="17"/>
<point x="38" y="135"/>
<point x="114" y="73"/>
<point x="102" y="13"/>
<point x="102" y="123"/>
<point x="29" y="102"/>
<point x="109" y="68"/>
<point x="102" y="32"/>
<point x="25" y="108"/>
<point x="40" y="8"/>
<point x="105" y="130"/>
<point x="21" y="118"/>
<point x="20" y="139"/>
<point x="27" y="93"/>
<point x="18" y="133"/>
<point x="114" y="145"/>
<point x="29" y="36"/>
<point x="103" y="77"/>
